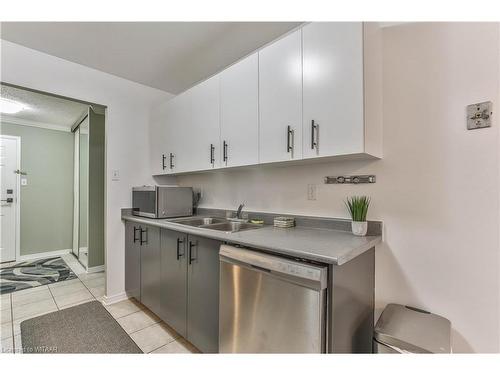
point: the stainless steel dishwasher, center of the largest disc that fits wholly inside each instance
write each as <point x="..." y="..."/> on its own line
<point x="270" y="304"/>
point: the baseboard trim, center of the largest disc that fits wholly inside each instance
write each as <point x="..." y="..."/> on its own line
<point x="45" y="254"/>
<point x="96" y="269"/>
<point x="108" y="300"/>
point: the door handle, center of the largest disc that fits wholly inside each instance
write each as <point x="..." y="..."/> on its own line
<point x="191" y="245"/>
<point x="212" y="154"/>
<point x="314" y="135"/>
<point x="144" y="231"/>
<point x="135" y="230"/>
<point x="179" y="241"/>
<point x="171" y="161"/>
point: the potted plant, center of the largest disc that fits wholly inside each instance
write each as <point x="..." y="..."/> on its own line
<point x="358" y="207"/>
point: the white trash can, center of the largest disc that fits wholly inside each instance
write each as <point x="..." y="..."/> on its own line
<point x="406" y="329"/>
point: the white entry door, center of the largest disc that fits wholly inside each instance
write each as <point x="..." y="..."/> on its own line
<point x="9" y="163"/>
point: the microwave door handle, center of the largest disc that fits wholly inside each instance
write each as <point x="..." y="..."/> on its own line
<point x="157" y="206"/>
<point x="156" y="201"/>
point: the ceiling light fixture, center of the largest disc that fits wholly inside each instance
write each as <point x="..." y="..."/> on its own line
<point x="10" y="106"/>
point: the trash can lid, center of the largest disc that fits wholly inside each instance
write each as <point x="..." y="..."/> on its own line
<point x="413" y="330"/>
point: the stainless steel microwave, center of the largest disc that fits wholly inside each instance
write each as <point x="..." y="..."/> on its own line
<point x="160" y="202"/>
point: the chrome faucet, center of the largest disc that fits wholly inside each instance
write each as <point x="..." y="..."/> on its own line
<point x="238" y="211"/>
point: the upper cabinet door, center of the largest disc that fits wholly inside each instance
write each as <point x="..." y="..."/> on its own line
<point x="158" y="138"/>
<point x="239" y="96"/>
<point x="178" y="121"/>
<point x="203" y="142"/>
<point x="333" y="89"/>
<point x="280" y="100"/>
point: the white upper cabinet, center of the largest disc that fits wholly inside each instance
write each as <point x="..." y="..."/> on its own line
<point x="280" y="100"/>
<point x="314" y="93"/>
<point x="332" y="89"/>
<point x="239" y="99"/>
<point x="192" y="129"/>
<point x="158" y="139"/>
<point x="165" y="134"/>
<point x="202" y="145"/>
<point x="177" y="129"/>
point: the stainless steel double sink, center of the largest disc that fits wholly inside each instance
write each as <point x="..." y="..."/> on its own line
<point x="217" y="223"/>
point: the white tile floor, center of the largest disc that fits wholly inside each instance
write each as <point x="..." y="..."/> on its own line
<point x="145" y="328"/>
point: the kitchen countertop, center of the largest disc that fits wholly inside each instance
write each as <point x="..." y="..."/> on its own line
<point x="322" y="245"/>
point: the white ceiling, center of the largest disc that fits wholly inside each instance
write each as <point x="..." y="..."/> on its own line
<point x="171" y="56"/>
<point x="41" y="109"/>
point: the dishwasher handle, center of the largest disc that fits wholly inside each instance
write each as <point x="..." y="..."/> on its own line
<point x="260" y="268"/>
<point x="310" y="275"/>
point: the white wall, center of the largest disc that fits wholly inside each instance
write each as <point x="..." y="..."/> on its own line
<point x="128" y="109"/>
<point x="437" y="186"/>
<point x="498" y="122"/>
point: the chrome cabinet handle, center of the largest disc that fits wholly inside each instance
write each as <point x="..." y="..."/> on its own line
<point x="289" y="139"/>
<point x="171" y="161"/>
<point x="212" y="154"/>
<point x="224" y="151"/>
<point x="191" y="245"/>
<point x="179" y="241"/>
<point x="314" y="137"/>
<point x="142" y="232"/>
<point x="135" y="230"/>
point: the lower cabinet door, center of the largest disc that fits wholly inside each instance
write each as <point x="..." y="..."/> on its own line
<point x="150" y="267"/>
<point x="203" y="293"/>
<point x="132" y="260"/>
<point x="174" y="280"/>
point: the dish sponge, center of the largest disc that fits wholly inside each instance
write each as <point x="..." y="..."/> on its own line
<point x="257" y="221"/>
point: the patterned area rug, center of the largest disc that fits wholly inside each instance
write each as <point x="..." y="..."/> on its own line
<point x="34" y="273"/>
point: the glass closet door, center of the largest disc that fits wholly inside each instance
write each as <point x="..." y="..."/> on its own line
<point x="76" y="189"/>
<point x="83" y="183"/>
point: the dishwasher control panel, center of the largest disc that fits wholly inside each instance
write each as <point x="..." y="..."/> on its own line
<point x="301" y="270"/>
<point x="273" y="263"/>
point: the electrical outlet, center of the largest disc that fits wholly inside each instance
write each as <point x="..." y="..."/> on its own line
<point x="312" y="192"/>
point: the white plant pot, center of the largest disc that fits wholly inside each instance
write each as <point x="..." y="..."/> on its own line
<point x="359" y="228"/>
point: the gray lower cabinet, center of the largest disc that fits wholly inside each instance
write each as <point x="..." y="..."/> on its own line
<point x="203" y="293"/>
<point x="132" y="260"/>
<point x="149" y="239"/>
<point x="176" y="276"/>
<point x="173" y="308"/>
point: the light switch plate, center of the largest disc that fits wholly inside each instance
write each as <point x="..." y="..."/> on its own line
<point x="24" y="181"/>
<point x="479" y="115"/>
<point x="115" y="175"/>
